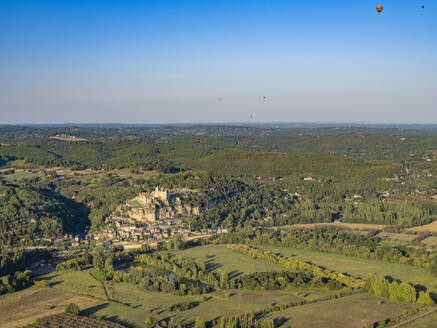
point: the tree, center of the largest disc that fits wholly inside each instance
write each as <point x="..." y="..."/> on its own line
<point x="109" y="264"/>
<point x="200" y="323"/>
<point x="433" y="267"/>
<point x="72" y="308"/>
<point x="223" y="279"/>
<point x="99" y="258"/>
<point x="425" y="299"/>
<point x="86" y="257"/>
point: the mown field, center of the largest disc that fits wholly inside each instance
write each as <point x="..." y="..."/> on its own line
<point x="432" y="227"/>
<point x="361" y="267"/>
<point x="219" y="257"/>
<point x="353" y="226"/>
<point x="24" y="307"/>
<point x="348" y="312"/>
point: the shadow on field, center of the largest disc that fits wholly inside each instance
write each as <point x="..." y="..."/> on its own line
<point x="210" y="265"/>
<point x="116" y="319"/>
<point x="56" y="283"/>
<point x="280" y="321"/>
<point x="235" y="274"/>
<point x="92" y="310"/>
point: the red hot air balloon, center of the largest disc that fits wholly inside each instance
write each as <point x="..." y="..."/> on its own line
<point x="197" y="140"/>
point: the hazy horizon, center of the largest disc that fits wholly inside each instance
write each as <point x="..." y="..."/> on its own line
<point x="163" y="62"/>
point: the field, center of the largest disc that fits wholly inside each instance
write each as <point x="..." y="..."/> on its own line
<point x="24" y="307"/>
<point x="124" y="302"/>
<point x="397" y="238"/>
<point x="219" y="257"/>
<point x="432" y="227"/>
<point x="361" y="267"/>
<point x="353" y="226"/>
<point x="348" y="312"/>
<point x="430" y="242"/>
<point x="18" y="176"/>
<point x="428" y="321"/>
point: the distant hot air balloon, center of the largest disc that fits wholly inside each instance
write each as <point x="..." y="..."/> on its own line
<point x="252" y="116"/>
<point x="219" y="99"/>
<point x="423" y="7"/>
<point x="226" y="126"/>
<point x="379" y="8"/>
<point x="197" y="140"/>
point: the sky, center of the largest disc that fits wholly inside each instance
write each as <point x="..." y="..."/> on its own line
<point x="169" y="61"/>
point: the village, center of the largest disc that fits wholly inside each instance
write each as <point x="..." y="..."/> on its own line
<point x="150" y="218"/>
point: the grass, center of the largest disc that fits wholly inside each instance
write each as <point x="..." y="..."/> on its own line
<point x="428" y="321"/>
<point x="353" y="226"/>
<point x="78" y="282"/>
<point x="220" y="257"/>
<point x="348" y="312"/>
<point x="24" y="307"/>
<point x="430" y="242"/>
<point x="432" y="227"/>
<point x="125" y="302"/>
<point x="15" y="177"/>
<point x="210" y="306"/>
<point x="403" y="238"/>
<point x="361" y="267"/>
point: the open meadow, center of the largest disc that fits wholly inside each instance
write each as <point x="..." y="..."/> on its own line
<point x="220" y="257"/>
<point x="348" y="312"/>
<point x="359" y="267"/>
<point x="24" y="307"/>
<point x="124" y="302"/>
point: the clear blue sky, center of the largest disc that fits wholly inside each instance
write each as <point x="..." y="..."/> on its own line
<point x="151" y="61"/>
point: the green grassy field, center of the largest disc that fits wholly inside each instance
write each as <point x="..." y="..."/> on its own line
<point x="223" y="258"/>
<point x="348" y="312"/>
<point x="209" y="306"/>
<point x="125" y="302"/>
<point x="15" y="177"/>
<point x="361" y="267"/>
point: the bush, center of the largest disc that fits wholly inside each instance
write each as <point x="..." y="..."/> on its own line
<point x="42" y="284"/>
<point x="150" y="321"/>
<point x="72" y="308"/>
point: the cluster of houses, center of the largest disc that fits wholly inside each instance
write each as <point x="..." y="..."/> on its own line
<point x="149" y="218"/>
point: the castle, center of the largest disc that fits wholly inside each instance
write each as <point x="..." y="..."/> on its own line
<point x="159" y="204"/>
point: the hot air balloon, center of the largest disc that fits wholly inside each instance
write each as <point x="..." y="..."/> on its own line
<point x="423" y="7"/>
<point x="226" y="126"/>
<point x="219" y="99"/>
<point x="379" y="8"/>
<point x="197" y="140"/>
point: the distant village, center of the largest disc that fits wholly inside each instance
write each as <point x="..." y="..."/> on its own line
<point x="150" y="218"/>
